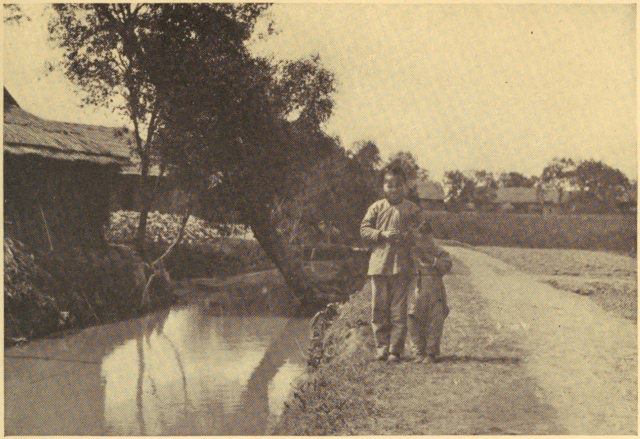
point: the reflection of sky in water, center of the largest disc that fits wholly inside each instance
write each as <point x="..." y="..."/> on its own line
<point x="202" y="374"/>
<point x="196" y="369"/>
<point x="281" y="384"/>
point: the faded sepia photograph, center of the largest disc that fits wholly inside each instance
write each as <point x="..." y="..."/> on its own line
<point x="320" y="219"/>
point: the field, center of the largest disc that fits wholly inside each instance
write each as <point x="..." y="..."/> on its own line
<point x="609" y="279"/>
<point x="616" y="233"/>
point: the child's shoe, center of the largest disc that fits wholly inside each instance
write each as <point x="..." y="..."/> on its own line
<point x="393" y="358"/>
<point x="419" y="359"/>
<point x="430" y="359"/>
<point x="382" y="355"/>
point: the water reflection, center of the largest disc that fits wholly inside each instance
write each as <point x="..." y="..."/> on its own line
<point x="180" y="372"/>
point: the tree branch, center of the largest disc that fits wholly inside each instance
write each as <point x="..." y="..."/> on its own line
<point x="136" y="128"/>
<point x="151" y="129"/>
<point x="176" y="241"/>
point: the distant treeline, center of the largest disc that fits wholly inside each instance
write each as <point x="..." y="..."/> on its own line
<point x="330" y="204"/>
<point x="589" y="186"/>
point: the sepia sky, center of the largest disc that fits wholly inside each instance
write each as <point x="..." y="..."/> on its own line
<point x="496" y="87"/>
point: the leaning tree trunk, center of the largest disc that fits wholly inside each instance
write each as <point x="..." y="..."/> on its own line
<point x="281" y="254"/>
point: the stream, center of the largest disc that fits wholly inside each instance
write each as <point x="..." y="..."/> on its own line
<point x="188" y="370"/>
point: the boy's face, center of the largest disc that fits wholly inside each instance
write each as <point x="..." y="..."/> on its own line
<point x="393" y="188"/>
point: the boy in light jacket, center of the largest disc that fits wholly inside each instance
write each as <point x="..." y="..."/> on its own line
<point x="385" y="228"/>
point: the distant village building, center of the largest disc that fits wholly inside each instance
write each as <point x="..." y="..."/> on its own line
<point x="57" y="178"/>
<point x="431" y="194"/>
<point x="527" y="199"/>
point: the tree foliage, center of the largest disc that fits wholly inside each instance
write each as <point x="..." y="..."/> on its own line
<point x="249" y="127"/>
<point x="476" y="187"/>
<point x="485" y="187"/>
<point x="239" y="131"/>
<point x="459" y="189"/>
<point x="593" y="182"/>
<point x="332" y="199"/>
<point x="559" y="174"/>
<point x="516" y="179"/>
<point x="117" y="54"/>
<point x="14" y="14"/>
<point x="203" y="106"/>
<point x="366" y="153"/>
<point x="601" y="180"/>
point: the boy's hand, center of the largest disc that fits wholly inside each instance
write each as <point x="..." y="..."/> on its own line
<point x="391" y="235"/>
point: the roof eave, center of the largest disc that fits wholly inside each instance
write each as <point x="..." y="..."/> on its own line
<point x="56" y="154"/>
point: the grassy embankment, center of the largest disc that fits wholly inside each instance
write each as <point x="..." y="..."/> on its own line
<point x="340" y="397"/>
<point x="339" y="393"/>
<point x="74" y="288"/>
<point x="349" y="393"/>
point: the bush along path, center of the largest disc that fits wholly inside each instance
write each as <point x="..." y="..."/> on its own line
<point x="519" y="357"/>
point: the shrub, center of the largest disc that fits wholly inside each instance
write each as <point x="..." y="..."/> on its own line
<point x="72" y="288"/>
<point x="98" y="285"/>
<point x="29" y="308"/>
<point x="204" y="251"/>
<point x="218" y="257"/>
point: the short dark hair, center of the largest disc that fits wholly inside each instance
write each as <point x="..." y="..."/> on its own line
<point x="396" y="170"/>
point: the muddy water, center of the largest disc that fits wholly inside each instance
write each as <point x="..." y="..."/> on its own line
<point x="184" y="371"/>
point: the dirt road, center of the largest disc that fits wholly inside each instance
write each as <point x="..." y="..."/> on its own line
<point x="519" y="357"/>
<point x="582" y="358"/>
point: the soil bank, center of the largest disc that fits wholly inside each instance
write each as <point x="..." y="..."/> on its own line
<point x="519" y="357"/>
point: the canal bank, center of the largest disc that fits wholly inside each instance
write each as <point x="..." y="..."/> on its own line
<point x="54" y="292"/>
<point x="519" y="357"/>
<point x="70" y="288"/>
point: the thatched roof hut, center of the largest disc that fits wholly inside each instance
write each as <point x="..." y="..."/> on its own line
<point x="57" y="178"/>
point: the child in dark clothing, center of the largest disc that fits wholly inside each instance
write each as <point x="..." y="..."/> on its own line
<point x="428" y="301"/>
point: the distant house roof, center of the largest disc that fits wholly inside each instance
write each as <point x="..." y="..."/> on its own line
<point x="25" y="133"/>
<point x="429" y="190"/>
<point x="525" y="195"/>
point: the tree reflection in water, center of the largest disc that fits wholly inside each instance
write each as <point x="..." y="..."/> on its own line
<point x="177" y="372"/>
<point x="225" y="349"/>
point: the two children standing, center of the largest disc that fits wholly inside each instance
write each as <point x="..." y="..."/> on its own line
<point x="406" y="269"/>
